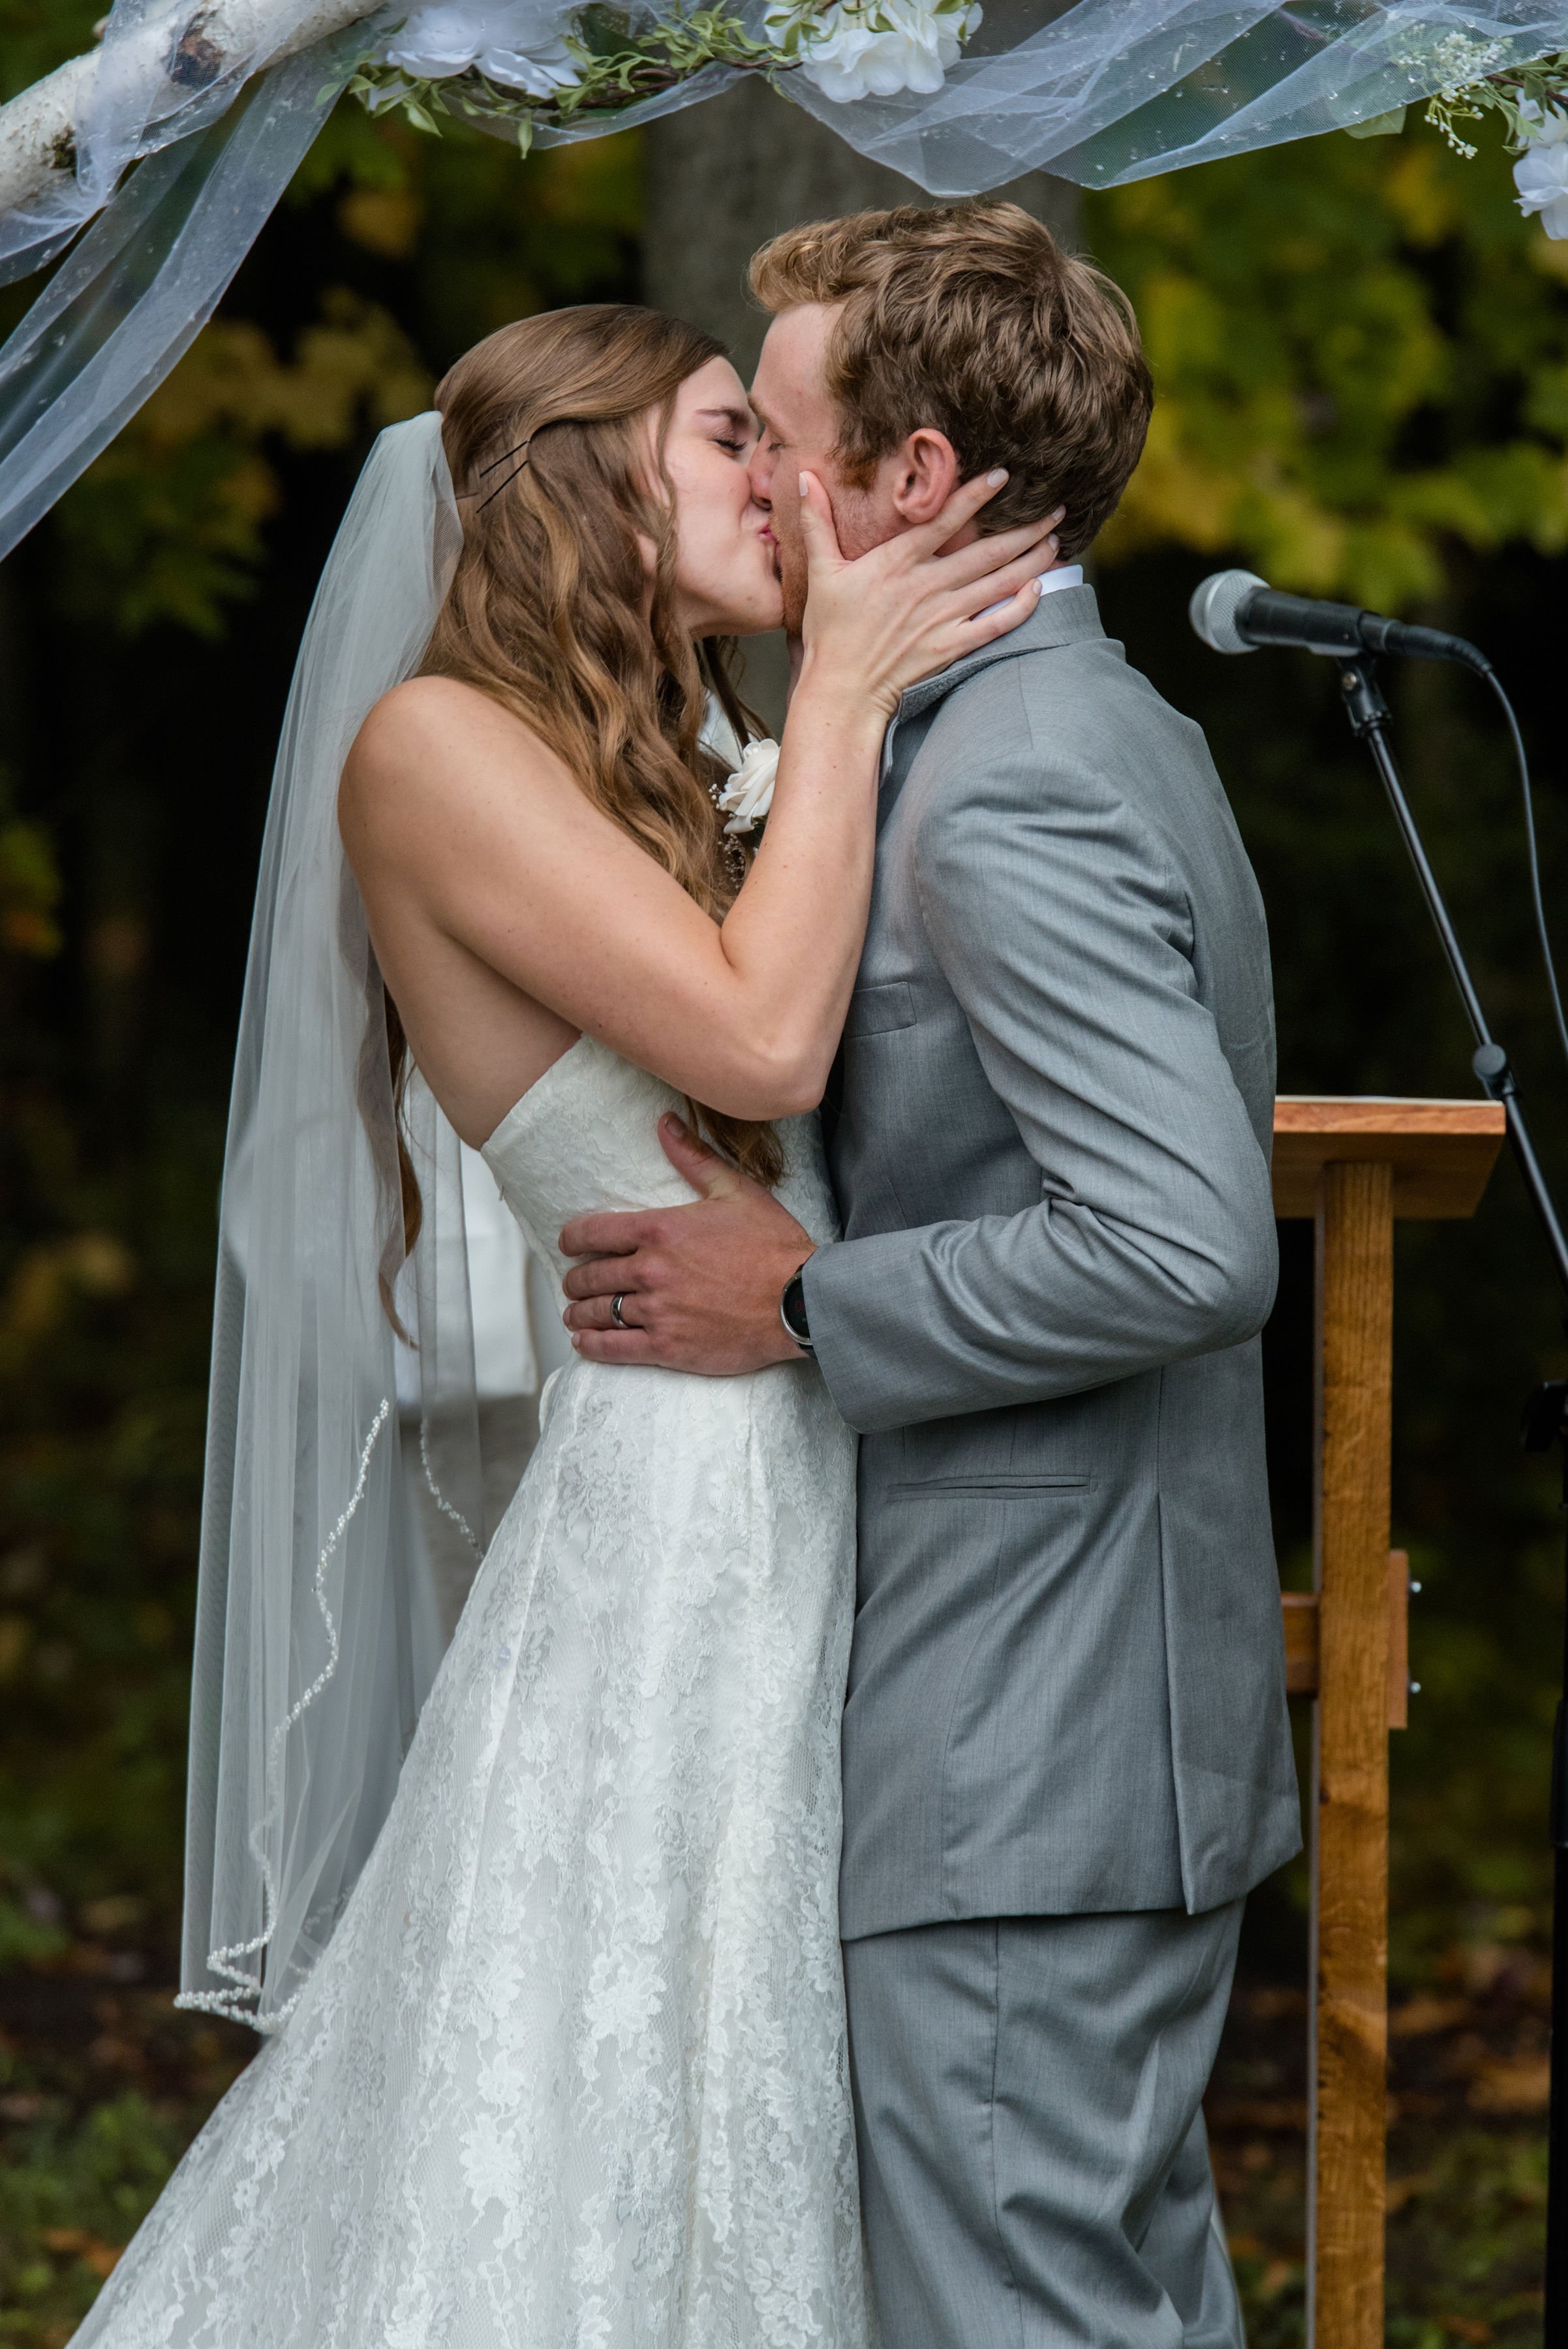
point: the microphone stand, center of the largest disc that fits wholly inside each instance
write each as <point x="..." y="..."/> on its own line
<point x="1545" y="1423"/>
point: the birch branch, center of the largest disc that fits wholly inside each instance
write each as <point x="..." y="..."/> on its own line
<point x="38" y="125"/>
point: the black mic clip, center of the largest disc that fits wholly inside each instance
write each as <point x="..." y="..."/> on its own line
<point x="1362" y="697"/>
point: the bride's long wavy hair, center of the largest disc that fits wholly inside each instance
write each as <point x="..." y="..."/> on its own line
<point x="545" y="426"/>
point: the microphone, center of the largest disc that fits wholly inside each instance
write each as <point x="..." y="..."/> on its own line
<point x="1237" y="612"/>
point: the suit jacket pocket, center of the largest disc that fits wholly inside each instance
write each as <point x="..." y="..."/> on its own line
<point x="876" y="1011"/>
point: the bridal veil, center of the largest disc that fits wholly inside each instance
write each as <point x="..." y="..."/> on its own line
<point x="314" y="1636"/>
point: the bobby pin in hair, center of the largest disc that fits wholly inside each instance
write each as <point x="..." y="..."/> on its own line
<point x="520" y="451"/>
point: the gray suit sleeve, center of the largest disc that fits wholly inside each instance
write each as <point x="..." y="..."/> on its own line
<point x="1054" y="913"/>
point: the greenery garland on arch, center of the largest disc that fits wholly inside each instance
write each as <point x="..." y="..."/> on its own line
<point x="577" y="73"/>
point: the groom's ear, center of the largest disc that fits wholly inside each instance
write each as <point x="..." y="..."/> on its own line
<point x="924" y="473"/>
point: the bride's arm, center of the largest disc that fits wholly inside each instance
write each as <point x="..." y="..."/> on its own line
<point x="458" y="820"/>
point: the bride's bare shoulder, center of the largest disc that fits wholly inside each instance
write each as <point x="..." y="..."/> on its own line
<point x="436" y="717"/>
<point x="434" y="742"/>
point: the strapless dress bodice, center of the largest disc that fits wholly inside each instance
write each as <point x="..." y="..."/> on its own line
<point x="584" y="1140"/>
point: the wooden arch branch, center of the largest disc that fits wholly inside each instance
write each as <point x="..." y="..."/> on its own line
<point x="38" y="125"/>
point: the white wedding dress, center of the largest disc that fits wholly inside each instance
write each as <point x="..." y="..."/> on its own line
<point x="571" y="2074"/>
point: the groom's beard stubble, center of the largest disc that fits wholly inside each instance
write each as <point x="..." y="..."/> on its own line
<point x="791" y="568"/>
<point x="858" y="527"/>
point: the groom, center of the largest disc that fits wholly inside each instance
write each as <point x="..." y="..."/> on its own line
<point x="1065" y="1751"/>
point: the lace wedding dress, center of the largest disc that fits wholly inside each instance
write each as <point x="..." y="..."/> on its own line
<point x="571" y="2074"/>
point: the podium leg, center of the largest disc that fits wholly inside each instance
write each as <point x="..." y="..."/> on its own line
<point x="1349" y="2051"/>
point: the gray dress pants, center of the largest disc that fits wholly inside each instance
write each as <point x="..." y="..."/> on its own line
<point x="1034" y="2169"/>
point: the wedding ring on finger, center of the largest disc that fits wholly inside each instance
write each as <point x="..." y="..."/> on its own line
<point x="617" y="1316"/>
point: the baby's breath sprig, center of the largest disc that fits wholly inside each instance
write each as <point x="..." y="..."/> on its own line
<point x="1475" y="83"/>
<point x="1520" y="94"/>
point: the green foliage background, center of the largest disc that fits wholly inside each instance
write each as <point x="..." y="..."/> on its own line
<point x="1362" y="359"/>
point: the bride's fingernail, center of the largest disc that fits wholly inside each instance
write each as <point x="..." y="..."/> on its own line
<point x="996" y="477"/>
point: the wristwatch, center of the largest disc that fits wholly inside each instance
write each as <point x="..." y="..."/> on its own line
<point x="793" y="1314"/>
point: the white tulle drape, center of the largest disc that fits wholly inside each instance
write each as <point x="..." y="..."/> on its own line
<point x="137" y="290"/>
<point x="314" y="1644"/>
<point x="1112" y="90"/>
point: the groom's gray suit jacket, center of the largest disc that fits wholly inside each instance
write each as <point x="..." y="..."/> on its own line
<point x="1049" y="1131"/>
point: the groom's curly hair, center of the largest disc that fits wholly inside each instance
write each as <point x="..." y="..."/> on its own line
<point x="969" y="318"/>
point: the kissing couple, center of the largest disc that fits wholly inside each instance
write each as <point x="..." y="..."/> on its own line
<point x="799" y="1906"/>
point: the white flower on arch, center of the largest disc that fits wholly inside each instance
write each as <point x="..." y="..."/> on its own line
<point x="514" y="43"/>
<point x="874" y="48"/>
<point x="1541" y="174"/>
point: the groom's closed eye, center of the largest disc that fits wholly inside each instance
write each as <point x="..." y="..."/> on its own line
<point x="770" y="439"/>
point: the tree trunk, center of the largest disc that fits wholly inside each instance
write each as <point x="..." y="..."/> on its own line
<point x="720" y="179"/>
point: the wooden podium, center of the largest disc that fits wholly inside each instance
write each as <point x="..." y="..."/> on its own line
<point x="1353" y="1165"/>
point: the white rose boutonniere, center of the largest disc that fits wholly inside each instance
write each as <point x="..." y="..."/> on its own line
<point x="749" y="793"/>
<point x="1541" y="174"/>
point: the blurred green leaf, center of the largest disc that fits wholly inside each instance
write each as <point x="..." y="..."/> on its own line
<point x="1360" y="356"/>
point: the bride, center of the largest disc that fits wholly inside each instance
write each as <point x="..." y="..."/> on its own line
<point x="555" y="2038"/>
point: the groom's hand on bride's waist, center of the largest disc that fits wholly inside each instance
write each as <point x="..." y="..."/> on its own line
<point x="699" y="1285"/>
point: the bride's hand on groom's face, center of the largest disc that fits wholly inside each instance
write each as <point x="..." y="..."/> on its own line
<point x="917" y="602"/>
<point x="699" y="1285"/>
